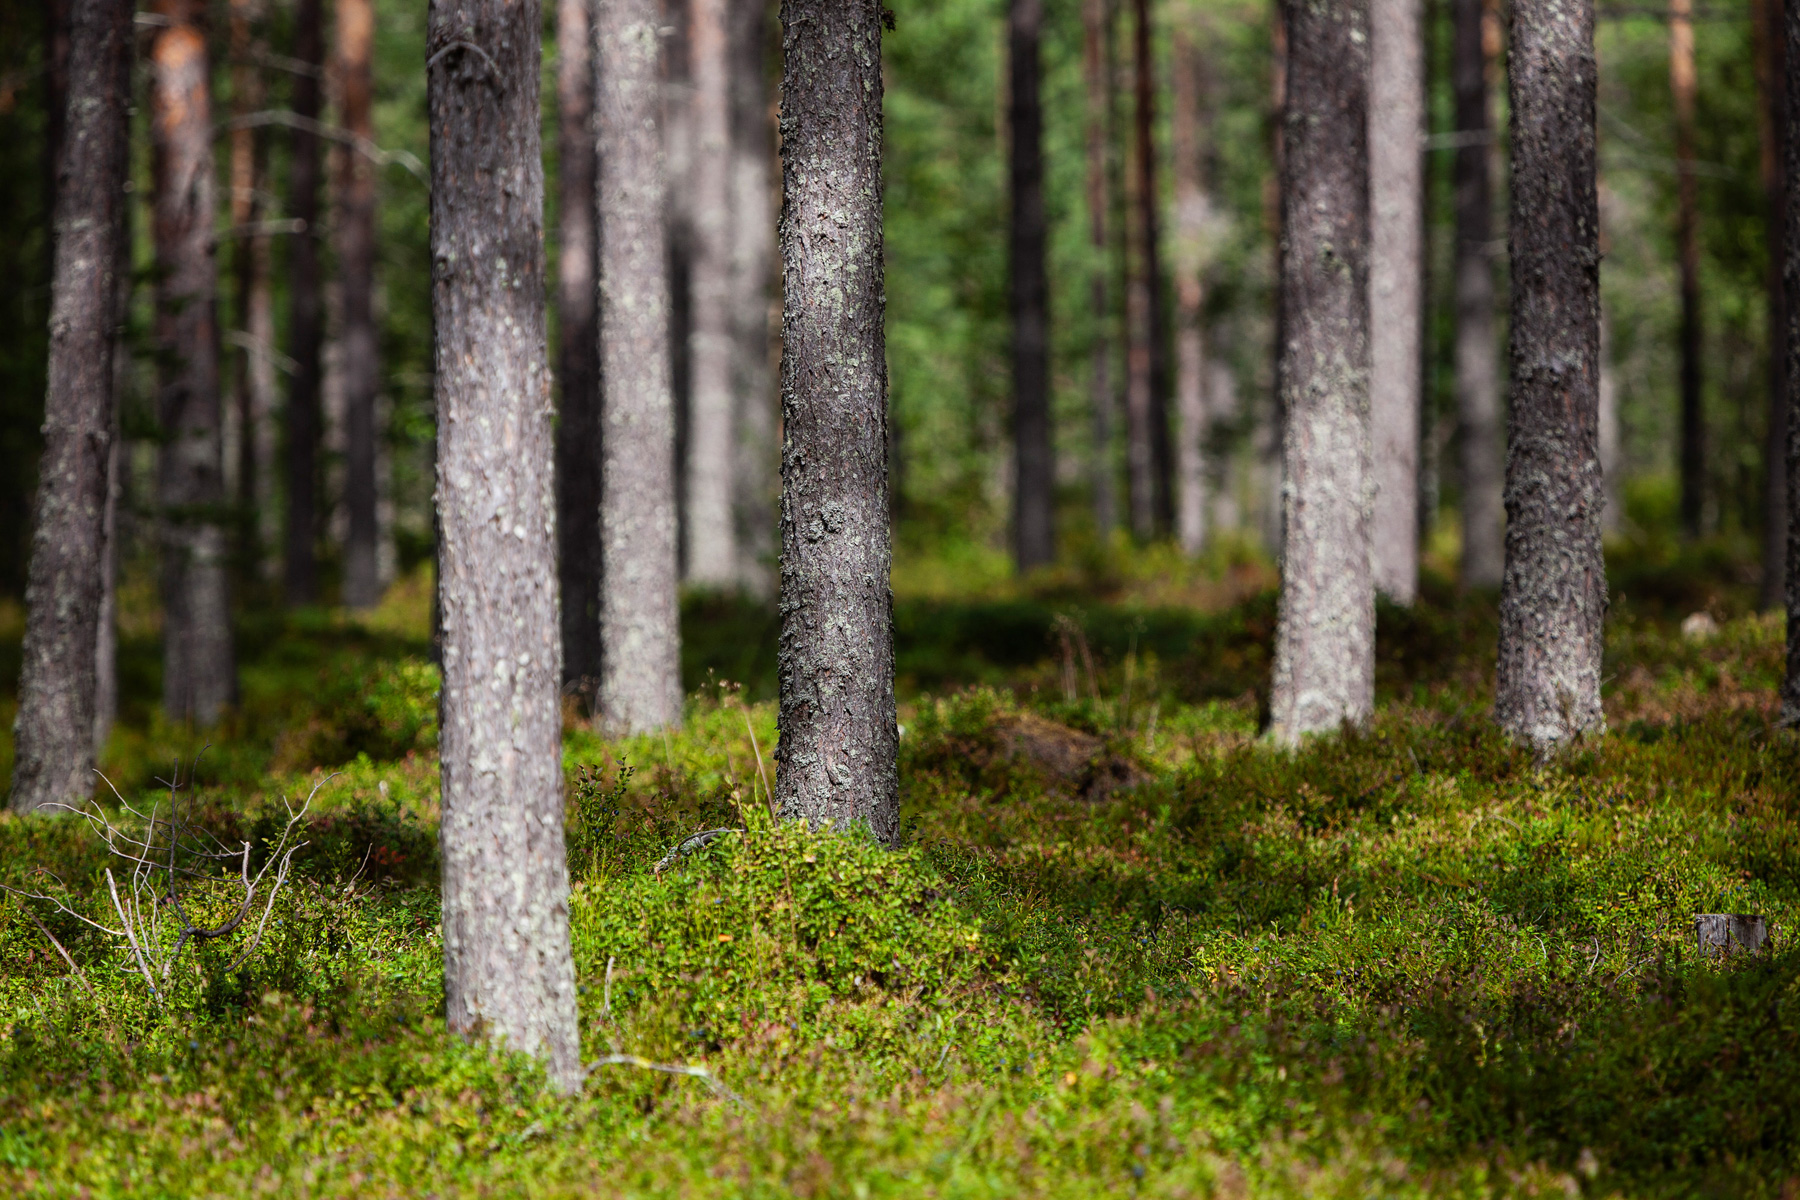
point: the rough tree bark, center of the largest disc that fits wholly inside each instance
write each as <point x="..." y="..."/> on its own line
<point x="1096" y="53"/>
<point x="836" y="660"/>
<point x="1687" y="241"/>
<point x="1789" y="84"/>
<point x="54" y="730"/>
<point x="1771" y="69"/>
<point x="1325" y="632"/>
<point x="1034" y="508"/>
<point x="640" y="661"/>
<point x="1188" y="258"/>
<point x="356" y="276"/>
<point x="199" y="675"/>
<point x="1477" y="351"/>
<point x="1553" y="596"/>
<point x="1396" y="241"/>
<point x="578" y="348"/>
<point x="305" y="330"/>
<point x="752" y="274"/>
<point x="507" y="968"/>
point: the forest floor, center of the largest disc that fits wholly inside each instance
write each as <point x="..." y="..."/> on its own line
<point x="1129" y="948"/>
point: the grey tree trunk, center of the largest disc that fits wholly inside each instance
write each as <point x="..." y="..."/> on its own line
<point x="1612" y="448"/>
<point x="1396" y="242"/>
<point x="305" y="329"/>
<point x="1188" y="258"/>
<point x="1477" y="350"/>
<point x="752" y="274"/>
<point x="1034" y="508"/>
<point x="1789" y="84"/>
<point x="836" y="660"/>
<point x="578" y="348"/>
<point x="507" y="968"/>
<point x="356" y="275"/>
<point x="1771" y="61"/>
<point x="1553" y="597"/>
<point x="1097" y="63"/>
<point x="253" y="340"/>
<point x="1687" y="242"/>
<point x="640" y="631"/>
<point x="1325" y="632"/>
<point x="54" y="730"/>
<point x="199" y="674"/>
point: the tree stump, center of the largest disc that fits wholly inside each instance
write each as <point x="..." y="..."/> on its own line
<point x="1727" y="933"/>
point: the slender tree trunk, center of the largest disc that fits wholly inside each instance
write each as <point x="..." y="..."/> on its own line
<point x="356" y="274"/>
<point x="1140" y="380"/>
<point x="106" y="653"/>
<point x="836" y="666"/>
<point x="640" y="679"/>
<point x="254" y="385"/>
<point x="1612" y="449"/>
<point x="1188" y="254"/>
<point x="1149" y="200"/>
<point x="1477" y="351"/>
<point x="1771" y="63"/>
<point x="507" y="968"/>
<point x="1396" y="239"/>
<point x="1097" y="64"/>
<point x="1325" y="634"/>
<point x="53" y="732"/>
<point x="1034" y="512"/>
<point x="1553" y="597"/>
<point x="578" y="418"/>
<point x="305" y="329"/>
<point x="199" y="675"/>
<point x="1687" y="238"/>
<point x="1789" y="83"/>
<point x="752" y="273"/>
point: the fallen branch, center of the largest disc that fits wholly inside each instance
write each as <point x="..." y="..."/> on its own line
<point x="700" y="1073"/>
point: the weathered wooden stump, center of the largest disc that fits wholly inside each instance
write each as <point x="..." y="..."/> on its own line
<point x="1727" y="933"/>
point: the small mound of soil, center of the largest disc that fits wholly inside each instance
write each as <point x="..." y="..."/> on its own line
<point x="1072" y="762"/>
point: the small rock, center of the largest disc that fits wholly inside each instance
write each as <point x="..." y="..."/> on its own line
<point x="1699" y="627"/>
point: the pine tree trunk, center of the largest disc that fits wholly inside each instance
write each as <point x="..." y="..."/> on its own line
<point x="1188" y="254"/>
<point x="1140" y="387"/>
<point x="53" y="732"/>
<point x="836" y="663"/>
<point x="113" y="520"/>
<point x="1149" y="236"/>
<point x="578" y="348"/>
<point x="1477" y="351"/>
<point x="1789" y="83"/>
<point x="1612" y="449"/>
<point x="1771" y="62"/>
<point x="356" y="274"/>
<point x="1034" y="512"/>
<point x="1553" y="597"/>
<point x="752" y="274"/>
<point x="255" y="340"/>
<point x="1097" y="63"/>
<point x="305" y="329"/>
<point x="1687" y="241"/>
<point x="507" y="969"/>
<point x="199" y="676"/>
<point x="1325" y="634"/>
<point x="640" y="670"/>
<point x="1396" y="241"/>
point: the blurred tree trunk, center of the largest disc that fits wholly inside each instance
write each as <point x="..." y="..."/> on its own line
<point x="836" y="666"/>
<point x="578" y="416"/>
<point x="1140" y="289"/>
<point x="640" y="679"/>
<point x="1771" y="69"/>
<point x="1687" y="239"/>
<point x="1153" y="327"/>
<point x="752" y="273"/>
<point x="507" y="969"/>
<point x="710" y="529"/>
<point x="1097" y="62"/>
<point x="356" y="275"/>
<point x="1325" y="635"/>
<point x="1553" y="599"/>
<point x="1034" y="511"/>
<point x="251" y="254"/>
<point x="54" y="729"/>
<point x="1477" y="351"/>
<point x="199" y="675"/>
<point x="1789" y="84"/>
<point x="305" y="329"/>
<point x="1188" y="255"/>
<point x="1396" y="242"/>
<point x="1612" y="450"/>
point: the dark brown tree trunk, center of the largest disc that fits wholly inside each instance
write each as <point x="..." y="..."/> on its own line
<point x="1477" y="351"/>
<point x="1034" y="510"/>
<point x="1097" y="63"/>
<point x="305" y="330"/>
<point x="578" y="348"/>
<point x="1396" y="242"/>
<point x="836" y="664"/>
<point x="640" y="671"/>
<point x="54" y="730"/>
<point x="254" y="385"/>
<point x="356" y="274"/>
<point x="1687" y="239"/>
<point x="1325" y="635"/>
<point x="507" y="969"/>
<point x="199" y="675"/>
<point x="1789" y="83"/>
<point x="1553" y="597"/>
<point x="752" y="274"/>
<point x="1192" y="207"/>
<point x="1140" y="377"/>
<point x="1154" y="325"/>
<point x="1771" y="63"/>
